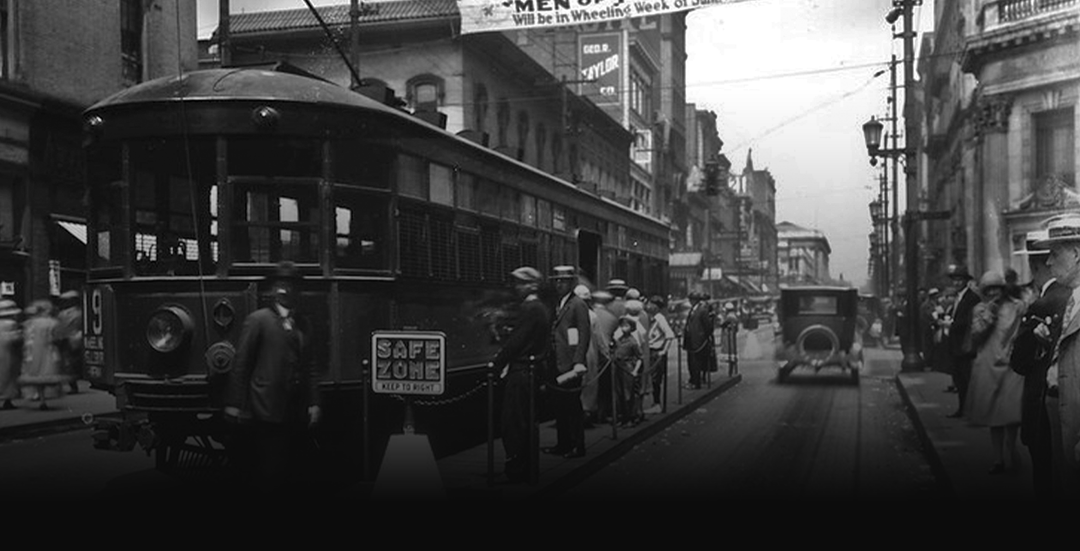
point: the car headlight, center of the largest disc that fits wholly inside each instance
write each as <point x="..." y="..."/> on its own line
<point x="168" y="328"/>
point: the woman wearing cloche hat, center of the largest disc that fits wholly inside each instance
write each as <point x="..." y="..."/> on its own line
<point x="995" y="391"/>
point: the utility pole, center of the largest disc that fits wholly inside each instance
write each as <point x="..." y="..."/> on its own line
<point x="223" y="33"/>
<point x="893" y="228"/>
<point x="354" y="42"/>
<point x="912" y="350"/>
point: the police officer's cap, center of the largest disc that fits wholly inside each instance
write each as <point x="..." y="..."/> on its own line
<point x="617" y="284"/>
<point x="527" y="274"/>
<point x="958" y="271"/>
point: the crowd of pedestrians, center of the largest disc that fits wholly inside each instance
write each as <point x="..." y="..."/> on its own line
<point x="40" y="350"/>
<point x="598" y="354"/>
<point x="1011" y="350"/>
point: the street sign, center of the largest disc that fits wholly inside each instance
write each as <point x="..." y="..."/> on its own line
<point x="408" y="362"/>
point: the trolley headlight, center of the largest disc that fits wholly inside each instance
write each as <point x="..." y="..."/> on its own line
<point x="168" y="328"/>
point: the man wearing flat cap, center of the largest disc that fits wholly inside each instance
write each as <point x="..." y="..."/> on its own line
<point x="528" y="344"/>
<point x="1030" y="358"/>
<point x="1063" y="374"/>
<point x="958" y="324"/>
<point x="571" y="338"/>
<point x="272" y="393"/>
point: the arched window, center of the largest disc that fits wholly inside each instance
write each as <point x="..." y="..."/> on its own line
<point x="522" y="133"/>
<point x="480" y="107"/>
<point x="541" y="141"/>
<point x="502" y="116"/>
<point x="425" y="92"/>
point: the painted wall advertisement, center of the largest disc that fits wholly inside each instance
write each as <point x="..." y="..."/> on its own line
<point x="504" y="15"/>
<point x="601" y="66"/>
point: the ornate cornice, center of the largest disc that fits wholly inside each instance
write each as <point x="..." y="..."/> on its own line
<point x="981" y="47"/>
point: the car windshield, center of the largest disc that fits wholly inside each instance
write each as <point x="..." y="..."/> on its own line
<point x="817" y="305"/>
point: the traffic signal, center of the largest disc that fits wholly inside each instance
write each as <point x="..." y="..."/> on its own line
<point x="712" y="178"/>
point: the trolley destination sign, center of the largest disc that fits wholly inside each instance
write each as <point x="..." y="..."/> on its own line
<point x="408" y="362"/>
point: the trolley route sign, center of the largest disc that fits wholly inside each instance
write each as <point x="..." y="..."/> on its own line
<point x="408" y="362"/>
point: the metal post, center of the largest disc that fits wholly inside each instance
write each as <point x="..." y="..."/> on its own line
<point x="491" y="424"/>
<point x="354" y="40"/>
<point x="365" y="433"/>
<point x="223" y="33"/>
<point x="893" y="252"/>
<point x="614" y="399"/>
<point x="678" y="368"/>
<point x="534" y="435"/>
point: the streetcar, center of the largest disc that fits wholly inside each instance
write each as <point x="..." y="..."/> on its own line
<point x="199" y="184"/>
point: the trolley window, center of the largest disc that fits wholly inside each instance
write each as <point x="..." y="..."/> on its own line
<point x="442" y="184"/>
<point x="275" y="157"/>
<point x="107" y="190"/>
<point x="360" y="163"/>
<point x="173" y="206"/>
<point x="362" y="227"/>
<point x="275" y="220"/>
<point x="466" y="191"/>
<point x="412" y="177"/>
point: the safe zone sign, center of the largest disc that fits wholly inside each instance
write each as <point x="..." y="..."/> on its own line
<point x="412" y="362"/>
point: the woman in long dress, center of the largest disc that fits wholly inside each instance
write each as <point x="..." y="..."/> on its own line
<point x="994" y="392"/>
<point x="42" y="363"/>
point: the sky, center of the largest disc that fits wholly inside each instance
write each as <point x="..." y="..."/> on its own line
<point x="791" y="80"/>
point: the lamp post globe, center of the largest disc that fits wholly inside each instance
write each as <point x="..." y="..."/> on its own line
<point x="872" y="135"/>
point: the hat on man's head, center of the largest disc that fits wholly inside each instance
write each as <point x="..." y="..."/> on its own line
<point x="1030" y="240"/>
<point x="527" y="274"/>
<point x="70" y="294"/>
<point x="632" y="294"/>
<point x="628" y="318"/>
<point x="1064" y="228"/>
<point x="8" y="309"/>
<point x="958" y="271"/>
<point x="617" y="284"/>
<point x="583" y="292"/>
<point x="934" y="291"/>
<point x="563" y="272"/>
<point x="285" y="271"/>
<point x="601" y="296"/>
<point x="694" y="295"/>
<point x="634" y="306"/>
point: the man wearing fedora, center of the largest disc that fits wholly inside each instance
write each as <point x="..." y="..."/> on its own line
<point x="958" y="325"/>
<point x="571" y="337"/>
<point x="272" y="391"/>
<point x="697" y="338"/>
<point x="1063" y="374"/>
<point x="1030" y="358"/>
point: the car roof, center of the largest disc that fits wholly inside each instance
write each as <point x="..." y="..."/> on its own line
<point x="811" y="288"/>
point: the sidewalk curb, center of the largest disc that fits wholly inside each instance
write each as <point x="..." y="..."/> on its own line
<point x="941" y="475"/>
<point x="624" y="445"/>
<point x="47" y="428"/>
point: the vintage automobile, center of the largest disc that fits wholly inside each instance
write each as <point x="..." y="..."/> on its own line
<point x="818" y="330"/>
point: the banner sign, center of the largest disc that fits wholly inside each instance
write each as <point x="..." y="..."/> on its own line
<point x="408" y="362"/>
<point x="479" y="16"/>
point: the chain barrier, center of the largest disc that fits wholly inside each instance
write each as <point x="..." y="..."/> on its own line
<point x="446" y="401"/>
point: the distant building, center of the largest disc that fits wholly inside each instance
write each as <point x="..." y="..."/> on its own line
<point x="56" y="59"/>
<point x="756" y="191"/>
<point x="803" y="255"/>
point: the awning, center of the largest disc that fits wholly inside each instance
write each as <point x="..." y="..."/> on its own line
<point x="687" y="259"/>
<point x="74" y="228"/>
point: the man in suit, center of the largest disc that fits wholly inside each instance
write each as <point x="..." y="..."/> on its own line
<point x="529" y="343"/>
<point x="958" y="324"/>
<point x="272" y="391"/>
<point x="571" y="338"/>
<point x="1063" y="375"/>
<point x="697" y="339"/>
<point x="1031" y="358"/>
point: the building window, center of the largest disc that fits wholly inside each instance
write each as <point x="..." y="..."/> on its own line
<point x="541" y="141"/>
<point x="1055" y="146"/>
<point x="131" y="27"/>
<point x="639" y="94"/>
<point x="502" y="117"/>
<point x="7" y="42"/>
<point x="523" y="134"/>
<point x="480" y="107"/>
<point x="425" y="93"/>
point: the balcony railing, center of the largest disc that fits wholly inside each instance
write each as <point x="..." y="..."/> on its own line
<point x="1015" y="10"/>
<point x="997" y="13"/>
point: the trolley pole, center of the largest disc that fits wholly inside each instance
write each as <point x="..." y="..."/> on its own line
<point x="366" y="397"/>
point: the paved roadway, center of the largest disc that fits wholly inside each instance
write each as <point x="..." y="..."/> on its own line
<point x="818" y="436"/>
